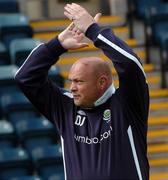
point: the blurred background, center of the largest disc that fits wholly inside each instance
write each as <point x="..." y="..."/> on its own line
<point x="29" y="144"/>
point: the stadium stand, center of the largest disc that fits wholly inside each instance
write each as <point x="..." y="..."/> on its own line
<point x="9" y="6"/>
<point x="4" y="56"/>
<point x="14" y="26"/>
<point x="14" y="162"/>
<point x="7" y="83"/>
<point x="26" y="178"/>
<point x="7" y="135"/>
<point x="164" y="63"/>
<point x="36" y="132"/>
<point x="153" y="14"/>
<point x="15" y="106"/>
<point x="48" y="161"/>
<point x="20" y="48"/>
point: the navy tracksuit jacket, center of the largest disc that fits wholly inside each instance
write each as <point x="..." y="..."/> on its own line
<point x="109" y="141"/>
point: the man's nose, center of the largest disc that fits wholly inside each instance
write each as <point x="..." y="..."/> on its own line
<point x="73" y="87"/>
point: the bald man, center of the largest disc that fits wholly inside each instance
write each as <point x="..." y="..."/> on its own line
<point x="103" y="130"/>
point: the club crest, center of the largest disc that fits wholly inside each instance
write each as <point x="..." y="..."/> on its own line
<point x="107" y="115"/>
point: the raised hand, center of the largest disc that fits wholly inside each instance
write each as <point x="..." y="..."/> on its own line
<point x="71" y="38"/>
<point x="80" y="17"/>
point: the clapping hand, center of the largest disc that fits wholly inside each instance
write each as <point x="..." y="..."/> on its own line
<point x="71" y="38"/>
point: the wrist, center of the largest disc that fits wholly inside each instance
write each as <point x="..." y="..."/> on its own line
<point x="55" y="47"/>
<point x="87" y="26"/>
<point x="93" y="31"/>
<point x="60" y="38"/>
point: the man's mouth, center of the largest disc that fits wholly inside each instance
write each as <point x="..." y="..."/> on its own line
<point x="75" y="96"/>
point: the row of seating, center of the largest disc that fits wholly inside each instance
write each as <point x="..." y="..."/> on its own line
<point x="17" y="163"/>
<point x="9" y="6"/>
<point x="29" y="142"/>
<point x="154" y="15"/>
<point x="10" y="96"/>
<point x="15" y="35"/>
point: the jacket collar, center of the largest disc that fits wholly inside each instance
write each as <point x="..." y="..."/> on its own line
<point x="107" y="94"/>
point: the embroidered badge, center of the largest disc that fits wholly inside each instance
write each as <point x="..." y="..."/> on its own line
<point x="107" y="115"/>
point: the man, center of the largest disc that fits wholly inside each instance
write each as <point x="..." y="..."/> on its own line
<point x="103" y="130"/>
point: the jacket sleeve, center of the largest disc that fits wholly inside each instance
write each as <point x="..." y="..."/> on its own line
<point x="133" y="87"/>
<point x="33" y="80"/>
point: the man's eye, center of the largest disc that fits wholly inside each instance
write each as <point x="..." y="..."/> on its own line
<point x="80" y="82"/>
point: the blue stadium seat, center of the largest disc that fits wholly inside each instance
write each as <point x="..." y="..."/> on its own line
<point x="158" y="22"/>
<point x="14" y="26"/>
<point x="9" y="6"/>
<point x="156" y="29"/>
<point x="20" y="48"/>
<point x="48" y="162"/>
<point x="55" y="76"/>
<point x="4" y="56"/>
<point x="26" y="178"/>
<point x="141" y="8"/>
<point x="14" y="162"/>
<point x="7" y="82"/>
<point x="16" y="106"/>
<point x="164" y="63"/>
<point x="58" y="176"/>
<point x="36" y="132"/>
<point x="7" y="135"/>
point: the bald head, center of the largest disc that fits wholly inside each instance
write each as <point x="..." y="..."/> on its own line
<point x="90" y="77"/>
<point x="94" y="66"/>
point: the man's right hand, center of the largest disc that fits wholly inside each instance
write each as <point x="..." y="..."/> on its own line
<point x="80" y="17"/>
<point x="71" y="38"/>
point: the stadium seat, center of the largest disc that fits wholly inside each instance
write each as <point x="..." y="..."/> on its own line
<point x="16" y="106"/>
<point x="4" y="57"/>
<point x="7" y="135"/>
<point x="164" y="63"/>
<point x="14" y="26"/>
<point x="48" y="162"/>
<point x="26" y="178"/>
<point x="14" y="162"/>
<point x="158" y="22"/>
<point x="36" y="132"/>
<point x="7" y="82"/>
<point x="9" y="6"/>
<point x="20" y="49"/>
<point x="142" y="7"/>
<point x="156" y="26"/>
<point x="58" y="176"/>
<point x="55" y="76"/>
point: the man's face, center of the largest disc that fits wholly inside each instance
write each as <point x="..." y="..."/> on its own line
<point x="84" y="86"/>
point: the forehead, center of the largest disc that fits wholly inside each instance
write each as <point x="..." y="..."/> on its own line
<point x="80" y="70"/>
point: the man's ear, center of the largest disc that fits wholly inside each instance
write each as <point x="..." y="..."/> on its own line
<point x="103" y="82"/>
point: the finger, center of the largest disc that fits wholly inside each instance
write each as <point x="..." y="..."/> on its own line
<point x="70" y="8"/>
<point x="97" y="17"/>
<point x="79" y="32"/>
<point x="68" y="15"/>
<point x="71" y="26"/>
<point x="75" y="29"/>
<point x="78" y="7"/>
<point x="79" y="38"/>
<point x="83" y="45"/>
